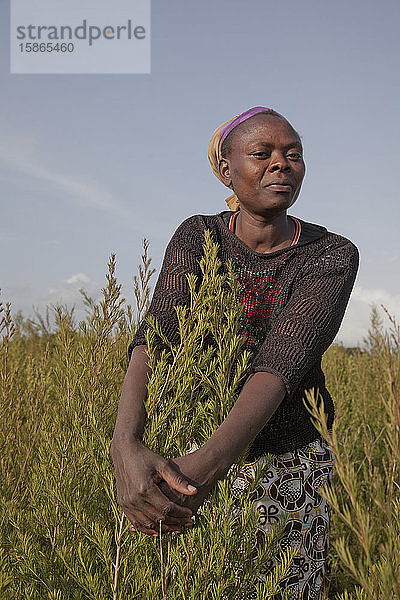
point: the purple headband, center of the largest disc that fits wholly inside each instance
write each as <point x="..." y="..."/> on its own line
<point x="242" y="117"/>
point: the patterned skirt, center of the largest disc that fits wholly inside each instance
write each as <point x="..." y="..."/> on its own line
<point x="290" y="486"/>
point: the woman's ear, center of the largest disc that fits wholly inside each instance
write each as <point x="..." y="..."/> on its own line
<point x="224" y="171"/>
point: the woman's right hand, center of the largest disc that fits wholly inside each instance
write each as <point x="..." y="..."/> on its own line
<point x="138" y="473"/>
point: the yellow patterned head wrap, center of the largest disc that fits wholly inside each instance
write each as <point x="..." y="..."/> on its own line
<point x="214" y="147"/>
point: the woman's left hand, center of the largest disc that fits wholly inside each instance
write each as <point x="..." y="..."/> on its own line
<point x="198" y="473"/>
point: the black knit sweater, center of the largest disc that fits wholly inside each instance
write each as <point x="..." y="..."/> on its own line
<point x="294" y="302"/>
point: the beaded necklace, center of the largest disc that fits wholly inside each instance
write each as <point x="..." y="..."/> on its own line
<point x="233" y="219"/>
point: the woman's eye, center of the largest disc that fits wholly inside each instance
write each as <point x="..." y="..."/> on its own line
<point x="295" y="155"/>
<point x="262" y="154"/>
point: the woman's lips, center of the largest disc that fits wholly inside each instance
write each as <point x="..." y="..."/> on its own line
<point x="280" y="187"/>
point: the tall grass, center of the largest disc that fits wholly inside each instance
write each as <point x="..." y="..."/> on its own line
<point x="63" y="535"/>
<point x="366" y="442"/>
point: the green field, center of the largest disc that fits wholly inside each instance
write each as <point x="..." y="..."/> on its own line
<point x="62" y="533"/>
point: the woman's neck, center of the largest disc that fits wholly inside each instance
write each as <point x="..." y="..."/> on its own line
<point x="264" y="235"/>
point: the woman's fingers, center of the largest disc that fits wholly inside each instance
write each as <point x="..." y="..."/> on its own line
<point x="175" y="479"/>
<point x="156" y="508"/>
<point x="140" y="522"/>
<point x="166" y="508"/>
<point x="154" y="504"/>
<point x="156" y="516"/>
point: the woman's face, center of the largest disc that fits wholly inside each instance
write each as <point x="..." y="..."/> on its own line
<point x="265" y="166"/>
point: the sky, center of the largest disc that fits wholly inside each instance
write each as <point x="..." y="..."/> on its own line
<point x="92" y="164"/>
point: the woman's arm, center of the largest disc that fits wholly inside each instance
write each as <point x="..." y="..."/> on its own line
<point x="260" y="397"/>
<point x="138" y="470"/>
<point x="131" y="414"/>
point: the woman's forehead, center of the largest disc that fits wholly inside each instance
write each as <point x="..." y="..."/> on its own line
<point x="263" y="127"/>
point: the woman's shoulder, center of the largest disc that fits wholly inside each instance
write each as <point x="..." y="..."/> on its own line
<point x="199" y="220"/>
<point x="190" y="232"/>
<point x="324" y="238"/>
<point x="197" y="223"/>
<point x="326" y="250"/>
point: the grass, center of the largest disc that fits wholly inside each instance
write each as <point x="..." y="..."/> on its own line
<point x="63" y="535"/>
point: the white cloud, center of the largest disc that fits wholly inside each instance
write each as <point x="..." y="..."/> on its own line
<point x="357" y="318"/>
<point x="79" y="277"/>
<point x="21" y="155"/>
<point x="67" y="290"/>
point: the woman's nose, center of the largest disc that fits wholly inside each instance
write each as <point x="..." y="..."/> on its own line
<point x="278" y="162"/>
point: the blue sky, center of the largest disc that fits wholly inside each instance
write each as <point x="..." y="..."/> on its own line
<point x="92" y="164"/>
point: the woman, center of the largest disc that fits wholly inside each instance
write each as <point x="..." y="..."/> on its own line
<point x="296" y="279"/>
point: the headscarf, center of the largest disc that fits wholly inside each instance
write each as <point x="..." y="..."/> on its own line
<point x="219" y="135"/>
